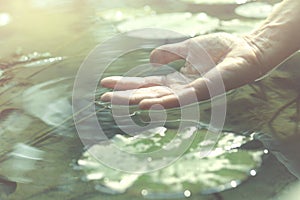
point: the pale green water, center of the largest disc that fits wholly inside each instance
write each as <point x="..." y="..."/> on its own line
<point x="63" y="33"/>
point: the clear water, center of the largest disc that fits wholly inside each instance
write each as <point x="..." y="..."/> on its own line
<point x="46" y="41"/>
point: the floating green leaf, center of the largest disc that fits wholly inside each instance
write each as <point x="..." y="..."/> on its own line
<point x="225" y="166"/>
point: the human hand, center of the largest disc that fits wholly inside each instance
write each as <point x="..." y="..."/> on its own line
<point x="237" y="63"/>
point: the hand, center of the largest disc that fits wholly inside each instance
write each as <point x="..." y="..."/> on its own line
<point x="237" y="63"/>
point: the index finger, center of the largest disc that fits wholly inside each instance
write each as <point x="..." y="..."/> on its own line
<point x="128" y="83"/>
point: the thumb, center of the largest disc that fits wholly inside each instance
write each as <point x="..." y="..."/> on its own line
<point x="169" y="53"/>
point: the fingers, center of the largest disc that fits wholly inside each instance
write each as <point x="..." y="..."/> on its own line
<point x="182" y="98"/>
<point x="129" y="97"/>
<point x="165" y="102"/>
<point x="161" y="55"/>
<point x="169" y="53"/>
<point x="128" y="83"/>
<point x="157" y="97"/>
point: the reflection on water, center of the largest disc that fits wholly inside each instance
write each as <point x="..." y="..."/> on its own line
<point x="4" y="19"/>
<point x="35" y="99"/>
<point x="220" y="170"/>
<point x="34" y="59"/>
<point x="124" y="13"/>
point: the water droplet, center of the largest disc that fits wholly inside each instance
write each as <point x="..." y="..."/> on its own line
<point x="149" y="159"/>
<point x="266" y="151"/>
<point x="187" y="193"/>
<point x="233" y="184"/>
<point x="144" y="192"/>
<point x="253" y="172"/>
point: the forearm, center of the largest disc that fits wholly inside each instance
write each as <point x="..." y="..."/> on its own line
<point x="278" y="37"/>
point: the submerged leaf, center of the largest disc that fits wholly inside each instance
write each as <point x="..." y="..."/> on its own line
<point x="224" y="167"/>
<point x="13" y="121"/>
<point x="49" y="101"/>
<point x="17" y="127"/>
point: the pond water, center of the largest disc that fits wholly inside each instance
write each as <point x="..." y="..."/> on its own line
<point x="43" y="45"/>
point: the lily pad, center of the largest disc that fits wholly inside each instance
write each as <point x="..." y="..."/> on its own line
<point x="226" y="166"/>
<point x="258" y="10"/>
<point x="182" y="23"/>
<point x="120" y="14"/>
<point x="216" y="1"/>
<point x="239" y="26"/>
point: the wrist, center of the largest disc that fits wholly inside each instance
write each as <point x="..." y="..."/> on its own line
<point x="278" y="37"/>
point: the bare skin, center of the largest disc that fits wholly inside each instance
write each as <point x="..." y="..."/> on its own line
<point x="239" y="60"/>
